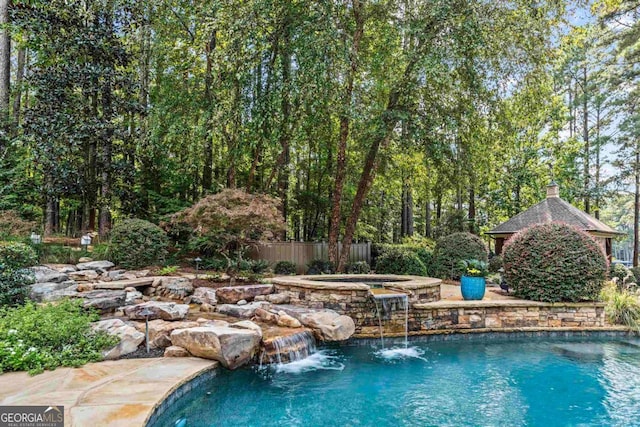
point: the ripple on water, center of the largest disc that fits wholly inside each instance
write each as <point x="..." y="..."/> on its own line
<point x="399" y="353"/>
<point x="321" y="360"/>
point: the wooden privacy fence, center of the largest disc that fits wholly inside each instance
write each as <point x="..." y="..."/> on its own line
<point x="302" y="253"/>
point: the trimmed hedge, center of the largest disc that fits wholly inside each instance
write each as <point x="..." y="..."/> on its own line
<point x="137" y="243"/>
<point x="424" y="252"/>
<point x="554" y="262"/>
<point x="400" y="261"/>
<point x="495" y="263"/>
<point x="452" y="249"/>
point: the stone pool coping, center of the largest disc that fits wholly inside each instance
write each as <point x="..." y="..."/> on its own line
<point x="356" y="281"/>
<point x="124" y="392"/>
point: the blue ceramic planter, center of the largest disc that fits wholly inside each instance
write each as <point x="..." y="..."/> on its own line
<point x="472" y="287"/>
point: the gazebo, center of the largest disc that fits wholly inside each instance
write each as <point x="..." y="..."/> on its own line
<point x="554" y="209"/>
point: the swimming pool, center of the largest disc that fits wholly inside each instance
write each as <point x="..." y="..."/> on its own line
<point x="535" y="382"/>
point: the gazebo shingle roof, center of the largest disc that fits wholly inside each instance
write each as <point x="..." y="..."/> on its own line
<point x="553" y="209"/>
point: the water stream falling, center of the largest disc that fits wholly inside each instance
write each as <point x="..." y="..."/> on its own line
<point x="388" y="301"/>
<point x="289" y="348"/>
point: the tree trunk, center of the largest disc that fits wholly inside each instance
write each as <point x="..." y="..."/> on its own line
<point x="107" y="140"/>
<point x="345" y="121"/>
<point x="636" y="207"/>
<point x="406" y="228"/>
<point x="472" y="210"/>
<point x="17" y="100"/>
<point x="285" y="128"/>
<point x="427" y="219"/>
<point x="597" y="177"/>
<point x="381" y="140"/>
<point x="585" y="136"/>
<point x="5" y="64"/>
<point x="207" y="170"/>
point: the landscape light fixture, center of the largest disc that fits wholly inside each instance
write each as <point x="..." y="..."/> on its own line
<point x="146" y="312"/>
<point x="36" y="239"/>
<point x="85" y="241"/>
<point x="198" y="260"/>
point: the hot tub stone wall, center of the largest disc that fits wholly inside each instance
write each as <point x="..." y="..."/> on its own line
<point x="430" y="317"/>
<point x="428" y="313"/>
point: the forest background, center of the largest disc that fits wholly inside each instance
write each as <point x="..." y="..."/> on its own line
<point x="370" y="120"/>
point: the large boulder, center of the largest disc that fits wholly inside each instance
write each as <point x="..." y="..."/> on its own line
<point x="130" y="338"/>
<point x="56" y="277"/>
<point x="288" y="321"/>
<point x="245" y="311"/>
<point x="84" y="275"/>
<point x="159" y="310"/>
<point x="204" y="295"/>
<point x="327" y="325"/>
<point x="233" y="294"/>
<point x="46" y="274"/>
<point x="247" y="324"/>
<point x="175" y="287"/>
<point x="103" y="300"/>
<point x="160" y="330"/>
<point x="232" y="347"/>
<point x="40" y="291"/>
<point x="62" y="268"/>
<point x="70" y="292"/>
<point x="99" y="266"/>
<point x="175" y="351"/>
<point x="133" y="297"/>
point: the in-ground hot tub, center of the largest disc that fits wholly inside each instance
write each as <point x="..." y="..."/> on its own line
<point x="343" y="292"/>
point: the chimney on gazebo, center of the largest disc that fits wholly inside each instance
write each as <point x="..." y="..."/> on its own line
<point x="553" y="190"/>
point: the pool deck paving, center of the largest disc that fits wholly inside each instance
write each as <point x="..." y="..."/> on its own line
<point x="112" y="393"/>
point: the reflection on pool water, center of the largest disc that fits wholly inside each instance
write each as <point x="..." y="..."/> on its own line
<point x="534" y="382"/>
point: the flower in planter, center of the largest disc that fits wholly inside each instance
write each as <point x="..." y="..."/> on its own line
<point x="474" y="268"/>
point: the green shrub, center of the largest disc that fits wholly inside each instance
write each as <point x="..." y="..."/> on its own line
<point x="216" y="264"/>
<point x="554" y="262"/>
<point x="495" y="263"/>
<point x="168" y="270"/>
<point x="636" y="273"/>
<point x="423" y="251"/>
<point x="400" y="261"/>
<point x="284" y="268"/>
<point x="14" y="286"/>
<point x="137" y="243"/>
<point x="621" y="307"/>
<point x="34" y="338"/>
<point x="452" y="249"/>
<point x="259" y="266"/>
<point x="622" y="276"/>
<point x="319" y="266"/>
<point x="359" y="267"/>
<point x="15" y="255"/>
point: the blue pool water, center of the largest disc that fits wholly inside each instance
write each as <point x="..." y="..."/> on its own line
<point x="532" y="382"/>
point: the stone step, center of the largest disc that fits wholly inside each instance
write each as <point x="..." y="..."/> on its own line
<point x="122" y="284"/>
